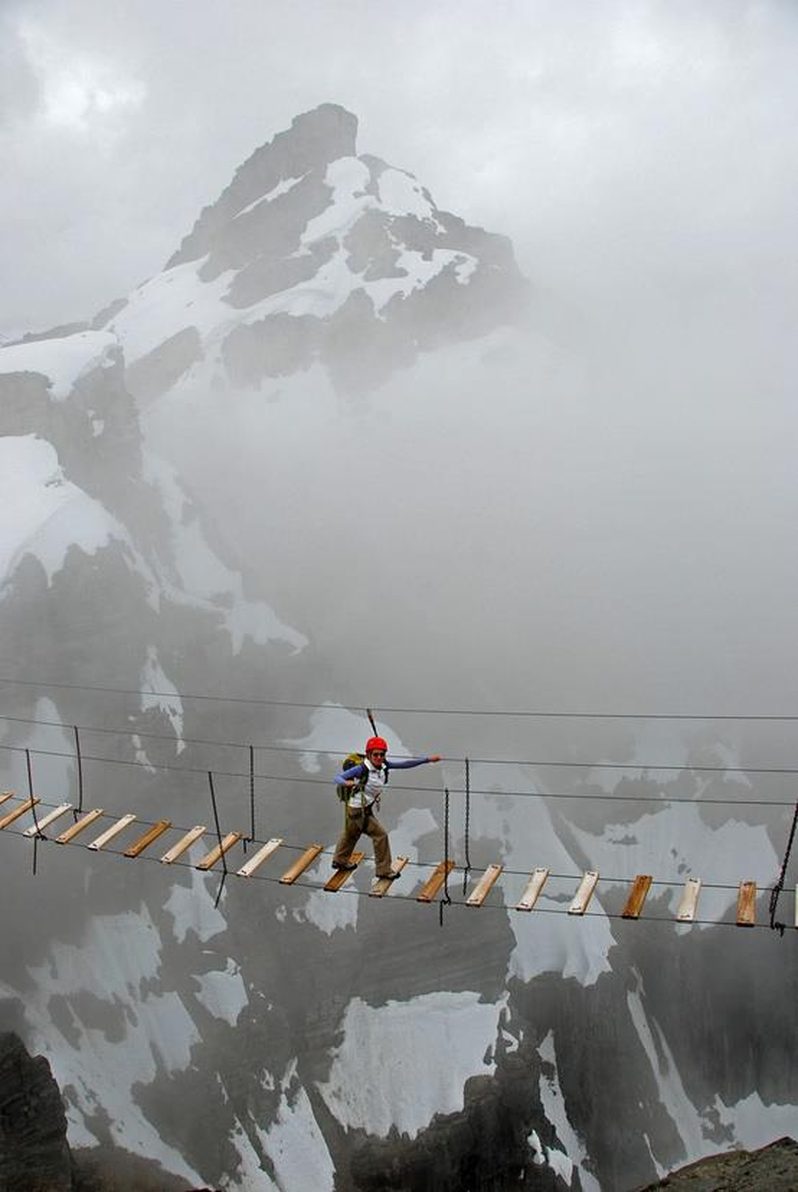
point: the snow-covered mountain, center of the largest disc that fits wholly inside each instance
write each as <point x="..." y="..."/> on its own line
<point x="242" y="480"/>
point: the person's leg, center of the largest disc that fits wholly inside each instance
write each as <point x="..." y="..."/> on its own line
<point x="382" y="849"/>
<point x="353" y="827"/>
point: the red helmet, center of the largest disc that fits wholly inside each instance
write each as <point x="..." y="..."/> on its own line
<point x="376" y="743"/>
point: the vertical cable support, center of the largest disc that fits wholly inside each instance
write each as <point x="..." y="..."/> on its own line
<point x="38" y="835"/>
<point x="467" y="824"/>
<point x="446" y="898"/>
<point x="79" y="759"/>
<point x="779" y="886"/>
<point x="219" y="838"/>
<point x="252" y="833"/>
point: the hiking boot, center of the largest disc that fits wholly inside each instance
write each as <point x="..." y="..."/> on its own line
<point x="346" y="866"/>
<point x="391" y="875"/>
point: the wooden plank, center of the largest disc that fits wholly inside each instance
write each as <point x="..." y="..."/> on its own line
<point x="263" y="854"/>
<point x="381" y="885"/>
<point x="86" y="822"/>
<point x="341" y="876"/>
<point x="689" y="903"/>
<point x="532" y="889"/>
<point x="111" y="832"/>
<point x="6" y="795"/>
<point x="581" y="899"/>
<point x="746" y="904"/>
<point x="483" y="886"/>
<point x="10" y="816"/>
<point x="434" y="883"/>
<point x="185" y="842"/>
<point x="48" y="819"/>
<point x="637" y="896"/>
<point x="138" y="846"/>
<point x="217" y="853"/>
<point x="308" y="857"/>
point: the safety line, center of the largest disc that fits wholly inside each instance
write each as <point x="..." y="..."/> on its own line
<point x="540" y="763"/>
<point x="597" y="797"/>
<point x="507" y="712"/>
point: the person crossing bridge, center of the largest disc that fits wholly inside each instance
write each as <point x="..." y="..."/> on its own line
<point x="363" y="784"/>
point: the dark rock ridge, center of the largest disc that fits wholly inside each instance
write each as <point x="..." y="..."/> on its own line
<point x="773" y="1168"/>
<point x="34" y="1154"/>
<point x="314" y="139"/>
<point x="34" y="1151"/>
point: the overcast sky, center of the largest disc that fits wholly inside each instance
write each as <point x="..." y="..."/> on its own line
<point x="617" y="143"/>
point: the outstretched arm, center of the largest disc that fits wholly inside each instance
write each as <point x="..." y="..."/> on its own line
<point x="410" y="762"/>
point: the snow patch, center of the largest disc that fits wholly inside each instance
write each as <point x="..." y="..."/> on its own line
<point x="401" y="194"/>
<point x="348" y="178"/>
<point x="555" y="1111"/>
<point x="673" y="843"/>
<point x="756" y="1123"/>
<point x="99" y="1069"/>
<point x="201" y="577"/>
<point x="420" y="269"/>
<point x="41" y="512"/>
<point x="545" y="942"/>
<point x="192" y="908"/>
<point x="62" y="361"/>
<point x="296" y="1145"/>
<point x="366" y="1092"/>
<point x="162" y="694"/>
<point x="223" y="994"/>
<point x="280" y="189"/>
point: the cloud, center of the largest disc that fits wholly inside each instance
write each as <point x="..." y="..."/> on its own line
<point x="608" y="141"/>
<point x="19" y="87"/>
<point x="78" y="92"/>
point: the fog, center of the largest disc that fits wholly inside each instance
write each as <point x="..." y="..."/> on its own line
<point x="591" y="512"/>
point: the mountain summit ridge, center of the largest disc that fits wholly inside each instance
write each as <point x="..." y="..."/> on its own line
<point x="314" y="254"/>
<point x="314" y="139"/>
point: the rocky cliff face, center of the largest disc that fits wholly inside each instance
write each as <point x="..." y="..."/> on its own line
<point x="34" y="1153"/>
<point x="774" y="1168"/>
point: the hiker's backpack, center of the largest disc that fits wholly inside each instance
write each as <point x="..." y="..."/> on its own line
<point x="354" y="759"/>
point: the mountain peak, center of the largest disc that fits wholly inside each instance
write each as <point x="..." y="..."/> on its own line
<point x="315" y="139"/>
<point x="314" y="254"/>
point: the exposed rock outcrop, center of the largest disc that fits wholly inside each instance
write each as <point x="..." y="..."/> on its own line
<point x="34" y="1153"/>
<point x="774" y="1168"/>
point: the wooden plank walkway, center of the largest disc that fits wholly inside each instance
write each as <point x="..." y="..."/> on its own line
<point x="632" y="909"/>
<point x="298" y="868"/>
<point x="341" y="876"/>
<point x="11" y="816"/>
<point x="746" y="904"/>
<point x="381" y="885"/>
<point x="210" y="859"/>
<point x="637" y="896"/>
<point x="688" y="906"/>
<point x="80" y="826"/>
<point x="581" y="899"/>
<point x="263" y="854"/>
<point x="108" y="835"/>
<point x="434" y="883"/>
<point x="148" y="838"/>
<point x="484" y="885"/>
<point x="48" y="819"/>
<point x="533" y="889"/>
<point x="184" y="843"/>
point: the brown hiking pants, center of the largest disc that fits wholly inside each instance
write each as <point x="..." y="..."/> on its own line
<point x="358" y="821"/>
